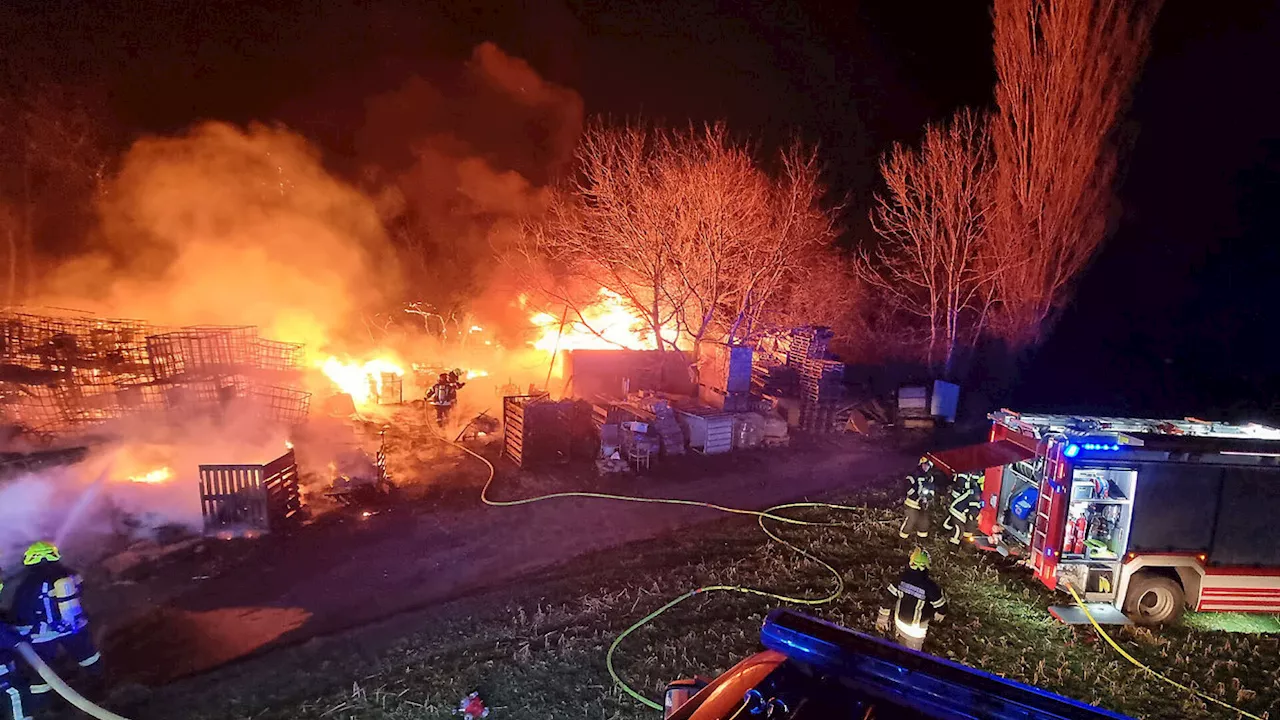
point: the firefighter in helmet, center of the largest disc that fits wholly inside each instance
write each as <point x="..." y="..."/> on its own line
<point x="920" y="490"/>
<point x="966" y="503"/>
<point x="13" y="687"/>
<point x="43" y="602"/>
<point x="913" y="602"/>
<point x="444" y="394"/>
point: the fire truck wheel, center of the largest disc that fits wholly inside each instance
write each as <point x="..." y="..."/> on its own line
<point x="1154" y="599"/>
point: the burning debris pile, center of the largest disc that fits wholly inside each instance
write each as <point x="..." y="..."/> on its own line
<point x="63" y="375"/>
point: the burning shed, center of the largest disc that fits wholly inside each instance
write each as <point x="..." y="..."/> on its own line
<point x="615" y="373"/>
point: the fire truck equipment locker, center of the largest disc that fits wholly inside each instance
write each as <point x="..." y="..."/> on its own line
<point x="1148" y="516"/>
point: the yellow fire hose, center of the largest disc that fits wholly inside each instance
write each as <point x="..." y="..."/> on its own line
<point x="761" y="515"/>
<point x="1138" y="663"/>
<point x="66" y="691"/>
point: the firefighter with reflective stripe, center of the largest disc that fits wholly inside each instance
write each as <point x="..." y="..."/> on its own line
<point x="966" y="503"/>
<point x="13" y="686"/>
<point x="43" y="602"/>
<point x="915" y="600"/>
<point x="920" y="490"/>
<point x="444" y="394"/>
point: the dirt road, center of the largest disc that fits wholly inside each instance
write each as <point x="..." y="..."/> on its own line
<point x="345" y="571"/>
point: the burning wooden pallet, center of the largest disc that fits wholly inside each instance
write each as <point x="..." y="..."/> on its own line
<point x="249" y="500"/>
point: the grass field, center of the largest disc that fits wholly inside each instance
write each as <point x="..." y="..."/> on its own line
<point x="544" y="656"/>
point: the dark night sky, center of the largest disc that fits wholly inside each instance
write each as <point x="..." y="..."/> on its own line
<point x="1175" y="316"/>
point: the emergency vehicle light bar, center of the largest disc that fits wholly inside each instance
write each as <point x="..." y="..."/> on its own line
<point x="932" y="686"/>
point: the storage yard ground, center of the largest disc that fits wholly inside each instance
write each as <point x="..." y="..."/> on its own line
<point x="535" y="646"/>
<point x="221" y="601"/>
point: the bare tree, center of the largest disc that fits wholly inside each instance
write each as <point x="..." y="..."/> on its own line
<point x="612" y="227"/>
<point x="1065" y="69"/>
<point x="54" y="159"/>
<point x="684" y="226"/>
<point x="935" y="261"/>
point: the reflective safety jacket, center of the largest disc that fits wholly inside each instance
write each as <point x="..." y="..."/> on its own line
<point x="966" y="496"/>
<point x="919" y="489"/>
<point x="916" y="599"/>
<point x="43" y="602"/>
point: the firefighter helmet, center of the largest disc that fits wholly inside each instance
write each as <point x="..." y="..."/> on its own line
<point x="41" y="552"/>
<point x="925" y="461"/>
<point x="919" y="559"/>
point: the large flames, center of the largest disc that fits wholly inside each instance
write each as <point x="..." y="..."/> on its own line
<point x="607" y="324"/>
<point x="610" y="323"/>
<point x="361" y="380"/>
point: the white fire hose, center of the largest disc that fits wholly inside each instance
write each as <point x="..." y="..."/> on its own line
<point x="66" y="691"/>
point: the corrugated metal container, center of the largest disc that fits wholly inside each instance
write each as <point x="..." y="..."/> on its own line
<point x="913" y="402"/>
<point x="710" y="432"/>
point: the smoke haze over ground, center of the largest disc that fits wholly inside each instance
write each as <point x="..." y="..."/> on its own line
<point x="89" y="506"/>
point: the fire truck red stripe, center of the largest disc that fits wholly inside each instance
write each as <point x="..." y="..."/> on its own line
<point x="1238" y="604"/>
<point x="1240" y="591"/>
<point x="1261" y="572"/>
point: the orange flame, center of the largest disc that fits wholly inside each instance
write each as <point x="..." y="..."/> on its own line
<point x="155" y="477"/>
<point x="362" y="381"/>
<point x="610" y="324"/>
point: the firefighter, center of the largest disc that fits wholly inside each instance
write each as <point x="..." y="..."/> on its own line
<point x="919" y="495"/>
<point x="444" y="394"/>
<point x="966" y="502"/>
<point x="43" y="602"/>
<point x="915" y="600"/>
<point x="13" y="687"/>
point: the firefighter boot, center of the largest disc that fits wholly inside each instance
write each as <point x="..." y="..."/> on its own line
<point x="956" y="525"/>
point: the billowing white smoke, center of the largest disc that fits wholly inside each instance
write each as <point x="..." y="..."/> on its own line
<point x="94" y="508"/>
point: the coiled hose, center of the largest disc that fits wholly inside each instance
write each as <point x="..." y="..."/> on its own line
<point x="771" y="513"/>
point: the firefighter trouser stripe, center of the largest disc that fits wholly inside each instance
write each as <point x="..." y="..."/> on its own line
<point x="40" y="689"/>
<point x="91" y="659"/>
<point x="916" y="521"/>
<point x="15" y="704"/>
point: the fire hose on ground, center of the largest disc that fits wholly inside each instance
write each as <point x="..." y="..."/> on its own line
<point x="772" y="514"/>
<point x="10" y="639"/>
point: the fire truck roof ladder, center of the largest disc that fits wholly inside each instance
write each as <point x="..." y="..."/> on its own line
<point x="1040" y="424"/>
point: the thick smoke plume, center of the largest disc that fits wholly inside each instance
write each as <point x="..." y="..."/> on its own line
<point x="246" y="226"/>
<point x="231" y="226"/>
<point x="456" y="162"/>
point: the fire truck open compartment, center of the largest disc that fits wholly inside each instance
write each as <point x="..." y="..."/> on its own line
<point x="1016" y="478"/>
<point x="1144" y="515"/>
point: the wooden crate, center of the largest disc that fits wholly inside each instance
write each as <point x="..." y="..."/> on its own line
<point x="249" y="499"/>
<point x="536" y="430"/>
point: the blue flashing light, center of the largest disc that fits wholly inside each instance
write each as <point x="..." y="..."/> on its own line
<point x="1072" y="450"/>
<point x="1094" y="446"/>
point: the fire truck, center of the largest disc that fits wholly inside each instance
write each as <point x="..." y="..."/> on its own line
<point x="1143" y="518"/>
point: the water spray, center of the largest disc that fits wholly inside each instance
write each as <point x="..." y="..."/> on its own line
<point x="84" y="502"/>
